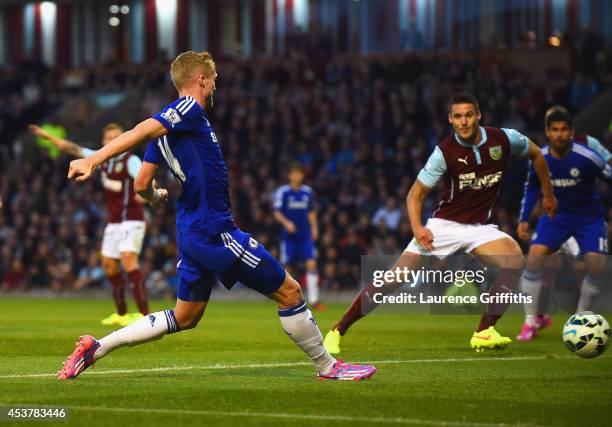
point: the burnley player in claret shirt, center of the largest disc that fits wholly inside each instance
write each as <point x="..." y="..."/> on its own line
<point x="125" y="230"/>
<point x="471" y="161"/>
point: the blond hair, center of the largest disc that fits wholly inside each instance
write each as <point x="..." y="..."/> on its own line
<point x="113" y="126"/>
<point x="187" y="64"/>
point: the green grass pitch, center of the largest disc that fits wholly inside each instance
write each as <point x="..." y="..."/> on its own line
<point x="238" y="368"/>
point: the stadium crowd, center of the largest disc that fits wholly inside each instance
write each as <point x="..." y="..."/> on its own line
<point x="361" y="127"/>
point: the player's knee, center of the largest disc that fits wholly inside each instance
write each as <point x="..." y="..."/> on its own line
<point x="515" y="263"/>
<point x="129" y="261"/>
<point x="596" y="266"/>
<point x="534" y="263"/>
<point x="290" y="293"/>
<point x="188" y="320"/>
<point x="188" y="314"/>
<point x="311" y="265"/>
<point x="111" y="267"/>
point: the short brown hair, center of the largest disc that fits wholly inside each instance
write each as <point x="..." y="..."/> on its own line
<point x="187" y="63"/>
<point x="113" y="126"/>
<point x="463" y="98"/>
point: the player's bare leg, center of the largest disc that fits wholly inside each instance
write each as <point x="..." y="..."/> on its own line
<point x="506" y="255"/>
<point x="129" y="260"/>
<point x="154" y="326"/>
<point x="591" y="284"/>
<point x="300" y="325"/>
<point x="112" y="269"/>
<point x="364" y="303"/>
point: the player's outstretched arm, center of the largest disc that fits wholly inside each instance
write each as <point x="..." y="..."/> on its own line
<point x="414" y="204"/>
<point x="149" y="129"/>
<point x="549" y="202"/>
<point x="144" y="185"/>
<point x="63" y="145"/>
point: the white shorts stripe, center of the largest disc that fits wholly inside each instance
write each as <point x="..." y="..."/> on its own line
<point x="248" y="254"/>
<point x="237" y="250"/>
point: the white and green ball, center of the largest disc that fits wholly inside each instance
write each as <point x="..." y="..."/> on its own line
<point x="586" y="334"/>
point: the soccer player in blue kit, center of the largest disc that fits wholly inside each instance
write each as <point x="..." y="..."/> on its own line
<point x="294" y="209"/>
<point x="581" y="215"/>
<point x="210" y="245"/>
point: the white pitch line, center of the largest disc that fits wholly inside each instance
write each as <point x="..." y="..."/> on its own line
<point x="282" y="365"/>
<point x="381" y="420"/>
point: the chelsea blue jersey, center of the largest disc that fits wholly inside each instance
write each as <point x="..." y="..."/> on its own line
<point x="573" y="180"/>
<point x="191" y="150"/>
<point x="295" y="205"/>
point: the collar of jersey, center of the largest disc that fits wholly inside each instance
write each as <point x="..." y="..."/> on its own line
<point x="465" y="144"/>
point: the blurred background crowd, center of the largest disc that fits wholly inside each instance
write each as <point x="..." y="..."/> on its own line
<point x="362" y="127"/>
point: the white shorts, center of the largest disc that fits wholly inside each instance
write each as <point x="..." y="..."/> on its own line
<point x="570" y="247"/>
<point x="126" y="236"/>
<point x="450" y="237"/>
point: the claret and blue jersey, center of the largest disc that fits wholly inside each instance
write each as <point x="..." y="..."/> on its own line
<point x="581" y="213"/>
<point x="210" y="244"/>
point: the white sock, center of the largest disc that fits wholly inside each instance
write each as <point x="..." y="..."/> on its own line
<point x="299" y="323"/>
<point x="149" y="328"/>
<point x="312" y="287"/>
<point x="531" y="285"/>
<point x="588" y="291"/>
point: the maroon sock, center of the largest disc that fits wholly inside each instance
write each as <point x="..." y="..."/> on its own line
<point x="139" y="289"/>
<point x="361" y="305"/>
<point x="118" y="289"/>
<point x="507" y="281"/>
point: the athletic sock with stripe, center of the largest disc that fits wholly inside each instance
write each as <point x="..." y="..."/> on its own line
<point x="148" y="328"/>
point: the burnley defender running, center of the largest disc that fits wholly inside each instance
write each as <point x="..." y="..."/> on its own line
<point x="125" y="230"/>
<point x="574" y="168"/>
<point x="210" y="245"/>
<point x="294" y="210"/>
<point x="472" y="162"/>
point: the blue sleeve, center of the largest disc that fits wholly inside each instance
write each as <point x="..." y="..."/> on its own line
<point x="182" y="115"/>
<point x="433" y="169"/>
<point x="153" y="153"/>
<point x="595" y="145"/>
<point x="531" y="194"/>
<point x="133" y="166"/>
<point x="519" y="143"/>
<point x="86" y="152"/>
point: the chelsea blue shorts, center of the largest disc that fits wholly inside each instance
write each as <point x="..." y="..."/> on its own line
<point x="229" y="257"/>
<point x="590" y="233"/>
<point x="294" y="250"/>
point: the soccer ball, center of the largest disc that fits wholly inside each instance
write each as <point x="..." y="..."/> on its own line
<point x="586" y="334"/>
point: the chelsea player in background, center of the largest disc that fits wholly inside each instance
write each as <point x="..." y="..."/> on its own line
<point x="581" y="215"/>
<point x="211" y="246"/>
<point x="294" y="209"/>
